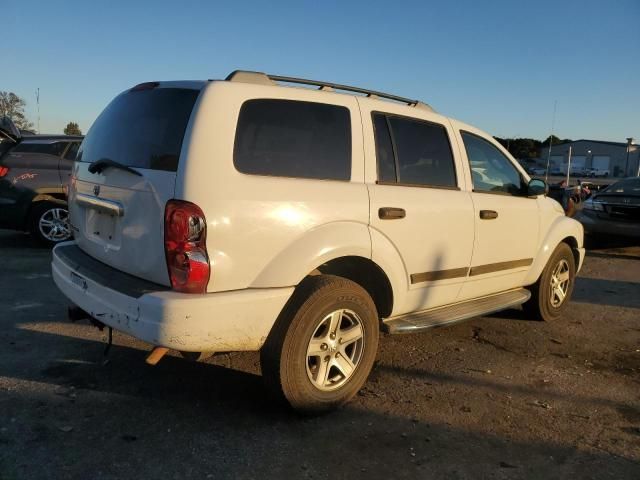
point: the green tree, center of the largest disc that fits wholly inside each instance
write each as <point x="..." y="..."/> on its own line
<point x="12" y="106"/>
<point x="72" y="128"/>
<point x="555" y="140"/>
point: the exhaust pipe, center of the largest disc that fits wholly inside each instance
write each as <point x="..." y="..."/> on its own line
<point x="156" y="355"/>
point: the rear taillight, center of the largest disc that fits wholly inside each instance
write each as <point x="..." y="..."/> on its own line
<point x="185" y="235"/>
<point x="3" y="171"/>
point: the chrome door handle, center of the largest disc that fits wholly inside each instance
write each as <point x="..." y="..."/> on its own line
<point x="488" y="214"/>
<point x="391" y="213"/>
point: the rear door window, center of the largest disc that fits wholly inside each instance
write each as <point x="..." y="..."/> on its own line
<point x="413" y="152"/>
<point x="141" y="128"/>
<point x="288" y="138"/>
<point x="45" y="148"/>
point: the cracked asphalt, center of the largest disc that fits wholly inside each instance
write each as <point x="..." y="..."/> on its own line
<point x="496" y="397"/>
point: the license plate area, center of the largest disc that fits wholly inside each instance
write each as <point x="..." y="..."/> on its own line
<point x="101" y="227"/>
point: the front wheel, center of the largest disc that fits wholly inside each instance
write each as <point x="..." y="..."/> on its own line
<point x="322" y="347"/>
<point x="551" y="293"/>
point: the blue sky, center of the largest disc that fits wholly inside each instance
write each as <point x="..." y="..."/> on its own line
<point x="498" y="65"/>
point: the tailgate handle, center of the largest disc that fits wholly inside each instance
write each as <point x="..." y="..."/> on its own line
<point x="488" y="214"/>
<point x="391" y="213"/>
<point x="107" y="206"/>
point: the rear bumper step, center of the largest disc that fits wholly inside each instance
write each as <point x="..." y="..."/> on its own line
<point x="438" y="317"/>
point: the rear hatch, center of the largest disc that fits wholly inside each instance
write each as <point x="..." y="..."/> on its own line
<point x="126" y="172"/>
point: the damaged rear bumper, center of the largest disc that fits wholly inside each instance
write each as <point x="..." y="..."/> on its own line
<point x="215" y="322"/>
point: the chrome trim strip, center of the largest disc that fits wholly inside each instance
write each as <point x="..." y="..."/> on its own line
<point x="439" y="275"/>
<point x="496" y="267"/>
<point x="108" y="206"/>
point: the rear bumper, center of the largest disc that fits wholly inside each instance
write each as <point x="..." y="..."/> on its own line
<point x="215" y="322"/>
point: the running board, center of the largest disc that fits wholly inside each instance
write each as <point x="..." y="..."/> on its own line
<point x="441" y="316"/>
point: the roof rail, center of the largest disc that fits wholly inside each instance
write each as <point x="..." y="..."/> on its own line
<point x="268" y="79"/>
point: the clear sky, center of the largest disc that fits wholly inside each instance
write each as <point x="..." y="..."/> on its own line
<point x="498" y="65"/>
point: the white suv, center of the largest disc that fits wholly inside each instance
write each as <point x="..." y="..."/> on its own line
<point x="243" y="215"/>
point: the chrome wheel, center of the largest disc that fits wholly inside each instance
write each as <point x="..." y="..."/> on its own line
<point x="559" y="285"/>
<point x="54" y="225"/>
<point x="335" y="350"/>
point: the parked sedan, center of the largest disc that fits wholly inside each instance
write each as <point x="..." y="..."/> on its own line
<point x="33" y="172"/>
<point x="614" y="211"/>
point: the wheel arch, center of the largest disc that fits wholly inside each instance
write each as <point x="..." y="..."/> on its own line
<point x="339" y="248"/>
<point x="563" y="230"/>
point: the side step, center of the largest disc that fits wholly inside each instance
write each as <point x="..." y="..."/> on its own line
<point x="441" y="316"/>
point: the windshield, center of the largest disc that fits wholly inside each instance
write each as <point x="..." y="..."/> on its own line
<point x="141" y="128"/>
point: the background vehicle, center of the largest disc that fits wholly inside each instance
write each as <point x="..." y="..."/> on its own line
<point x="33" y="173"/>
<point x="246" y="215"/>
<point x="614" y="211"/>
<point x="596" y="172"/>
<point x="537" y="170"/>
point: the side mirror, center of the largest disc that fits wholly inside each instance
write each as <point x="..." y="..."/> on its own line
<point x="537" y="187"/>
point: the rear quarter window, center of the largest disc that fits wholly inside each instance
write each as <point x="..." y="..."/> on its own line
<point x="288" y="138"/>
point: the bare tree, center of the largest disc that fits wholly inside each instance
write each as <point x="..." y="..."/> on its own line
<point x="12" y="106"/>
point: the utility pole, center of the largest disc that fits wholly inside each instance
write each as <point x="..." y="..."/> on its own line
<point x="568" y="166"/>
<point x="38" y="104"/>
<point x="553" y="124"/>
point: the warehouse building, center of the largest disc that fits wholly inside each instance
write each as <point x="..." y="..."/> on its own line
<point x="612" y="156"/>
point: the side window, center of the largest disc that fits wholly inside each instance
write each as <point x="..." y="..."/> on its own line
<point x="72" y="151"/>
<point x="413" y="152"/>
<point x="491" y="171"/>
<point x="293" y="139"/>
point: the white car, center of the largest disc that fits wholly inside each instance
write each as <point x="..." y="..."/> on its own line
<point x="598" y="172"/>
<point x="242" y="214"/>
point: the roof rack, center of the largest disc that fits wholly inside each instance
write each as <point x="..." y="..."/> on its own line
<point x="268" y="79"/>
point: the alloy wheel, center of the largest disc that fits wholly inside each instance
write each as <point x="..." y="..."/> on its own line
<point x="335" y="349"/>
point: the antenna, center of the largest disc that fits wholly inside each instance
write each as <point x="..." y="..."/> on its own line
<point x="38" y="104"/>
<point x="553" y="125"/>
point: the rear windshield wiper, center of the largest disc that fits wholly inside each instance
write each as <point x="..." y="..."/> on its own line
<point x="99" y="165"/>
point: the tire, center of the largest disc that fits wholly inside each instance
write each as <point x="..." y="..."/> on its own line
<point x="311" y="383"/>
<point x="543" y="305"/>
<point x="48" y="223"/>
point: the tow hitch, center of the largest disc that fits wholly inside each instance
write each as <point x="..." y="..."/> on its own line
<point x="76" y="314"/>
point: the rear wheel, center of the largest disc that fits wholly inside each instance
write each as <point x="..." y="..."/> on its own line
<point x="49" y="223"/>
<point x="552" y="292"/>
<point x="322" y="347"/>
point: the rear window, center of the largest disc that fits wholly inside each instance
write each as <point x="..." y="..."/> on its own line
<point x="289" y="138"/>
<point x="629" y="186"/>
<point x="141" y="128"/>
<point x="55" y="148"/>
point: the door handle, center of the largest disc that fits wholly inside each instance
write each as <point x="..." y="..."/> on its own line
<point x="488" y="214"/>
<point x="391" y="213"/>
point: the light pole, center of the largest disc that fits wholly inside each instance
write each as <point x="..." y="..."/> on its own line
<point x="626" y="166"/>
